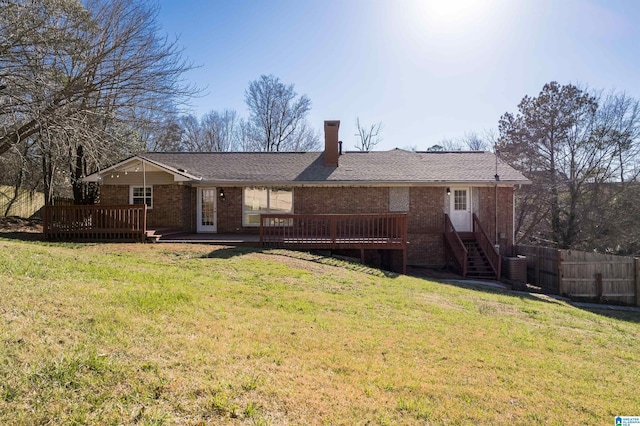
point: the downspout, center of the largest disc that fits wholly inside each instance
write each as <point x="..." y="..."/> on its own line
<point x="144" y="181"/>
<point x="497" y="177"/>
<point x="513" y="219"/>
<point x="496" y="215"/>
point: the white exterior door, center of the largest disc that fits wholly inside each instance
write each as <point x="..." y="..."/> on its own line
<point x="460" y="210"/>
<point x="207" y="210"/>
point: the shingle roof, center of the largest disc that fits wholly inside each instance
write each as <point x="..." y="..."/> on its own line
<point x="376" y="167"/>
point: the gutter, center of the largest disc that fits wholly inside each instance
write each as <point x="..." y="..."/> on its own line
<point x="443" y="184"/>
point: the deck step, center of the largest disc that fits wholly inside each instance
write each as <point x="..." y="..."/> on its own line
<point x="151" y="236"/>
<point x="478" y="266"/>
<point x="155" y="235"/>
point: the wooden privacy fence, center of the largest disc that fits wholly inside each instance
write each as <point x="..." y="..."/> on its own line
<point x="96" y="222"/>
<point x="24" y="203"/>
<point x="602" y="277"/>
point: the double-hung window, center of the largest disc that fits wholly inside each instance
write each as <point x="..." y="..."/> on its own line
<point x="141" y="195"/>
<point x="265" y="200"/>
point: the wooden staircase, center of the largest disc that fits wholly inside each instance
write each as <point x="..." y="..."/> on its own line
<point x="471" y="254"/>
<point x="478" y="266"/>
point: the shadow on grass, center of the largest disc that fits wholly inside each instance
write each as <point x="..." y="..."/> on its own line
<point x="23" y="236"/>
<point x="492" y="287"/>
<point x="618" y="312"/>
<point x="622" y="313"/>
<point x="230" y="252"/>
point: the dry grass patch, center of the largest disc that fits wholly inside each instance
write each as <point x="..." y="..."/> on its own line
<point x="193" y="334"/>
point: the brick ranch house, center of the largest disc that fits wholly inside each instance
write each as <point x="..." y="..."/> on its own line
<point x="227" y="192"/>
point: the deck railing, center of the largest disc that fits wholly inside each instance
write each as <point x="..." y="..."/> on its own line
<point x="95" y="222"/>
<point x="487" y="246"/>
<point x="454" y="248"/>
<point x="334" y="231"/>
<point x="386" y="231"/>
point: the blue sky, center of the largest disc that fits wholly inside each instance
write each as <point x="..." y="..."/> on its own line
<point x="427" y="69"/>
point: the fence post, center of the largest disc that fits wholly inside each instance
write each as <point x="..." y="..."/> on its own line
<point x="45" y="221"/>
<point x="636" y="262"/>
<point x="559" y="272"/>
<point x="599" y="286"/>
<point x="537" y="271"/>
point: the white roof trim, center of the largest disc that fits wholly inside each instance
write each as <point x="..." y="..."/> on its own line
<point x="294" y="183"/>
<point x="179" y="175"/>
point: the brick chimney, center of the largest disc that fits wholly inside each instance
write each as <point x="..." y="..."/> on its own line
<point x="331" y="150"/>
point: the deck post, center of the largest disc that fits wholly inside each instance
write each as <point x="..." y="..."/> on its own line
<point x="404" y="260"/>
<point x="144" y="222"/>
<point x="636" y="268"/>
<point x="333" y="225"/>
<point x="261" y="230"/>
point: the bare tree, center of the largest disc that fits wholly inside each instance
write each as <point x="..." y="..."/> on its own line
<point x="245" y="136"/>
<point x="368" y="136"/>
<point x="78" y="77"/>
<point x="474" y="142"/>
<point x="214" y="132"/>
<point x="446" y="145"/>
<point x="277" y="117"/>
<point x="219" y="131"/>
<point x="470" y="141"/>
<point x="191" y="132"/>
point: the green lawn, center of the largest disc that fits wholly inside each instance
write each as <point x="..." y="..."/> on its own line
<point x="194" y="334"/>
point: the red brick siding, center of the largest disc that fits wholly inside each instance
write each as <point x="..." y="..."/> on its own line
<point x="425" y="223"/>
<point x="170" y="204"/>
<point x="230" y="212"/>
<point x="175" y="206"/>
<point x="486" y="214"/>
<point x="190" y="209"/>
<point x="342" y="200"/>
<point x="114" y="195"/>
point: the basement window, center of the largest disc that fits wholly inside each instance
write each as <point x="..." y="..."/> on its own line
<point x="257" y="201"/>
<point x="141" y="195"/>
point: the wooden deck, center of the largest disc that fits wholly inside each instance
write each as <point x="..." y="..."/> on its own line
<point x="386" y="231"/>
<point x="336" y="232"/>
<point x="95" y="222"/>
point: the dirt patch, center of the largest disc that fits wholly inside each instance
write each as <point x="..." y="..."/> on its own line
<point x="18" y="224"/>
<point x="19" y="228"/>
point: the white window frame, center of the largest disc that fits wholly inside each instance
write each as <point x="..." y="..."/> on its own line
<point x="268" y="210"/>
<point x="144" y="197"/>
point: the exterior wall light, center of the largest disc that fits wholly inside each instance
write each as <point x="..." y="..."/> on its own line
<point x="222" y="193"/>
<point x="448" y="191"/>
